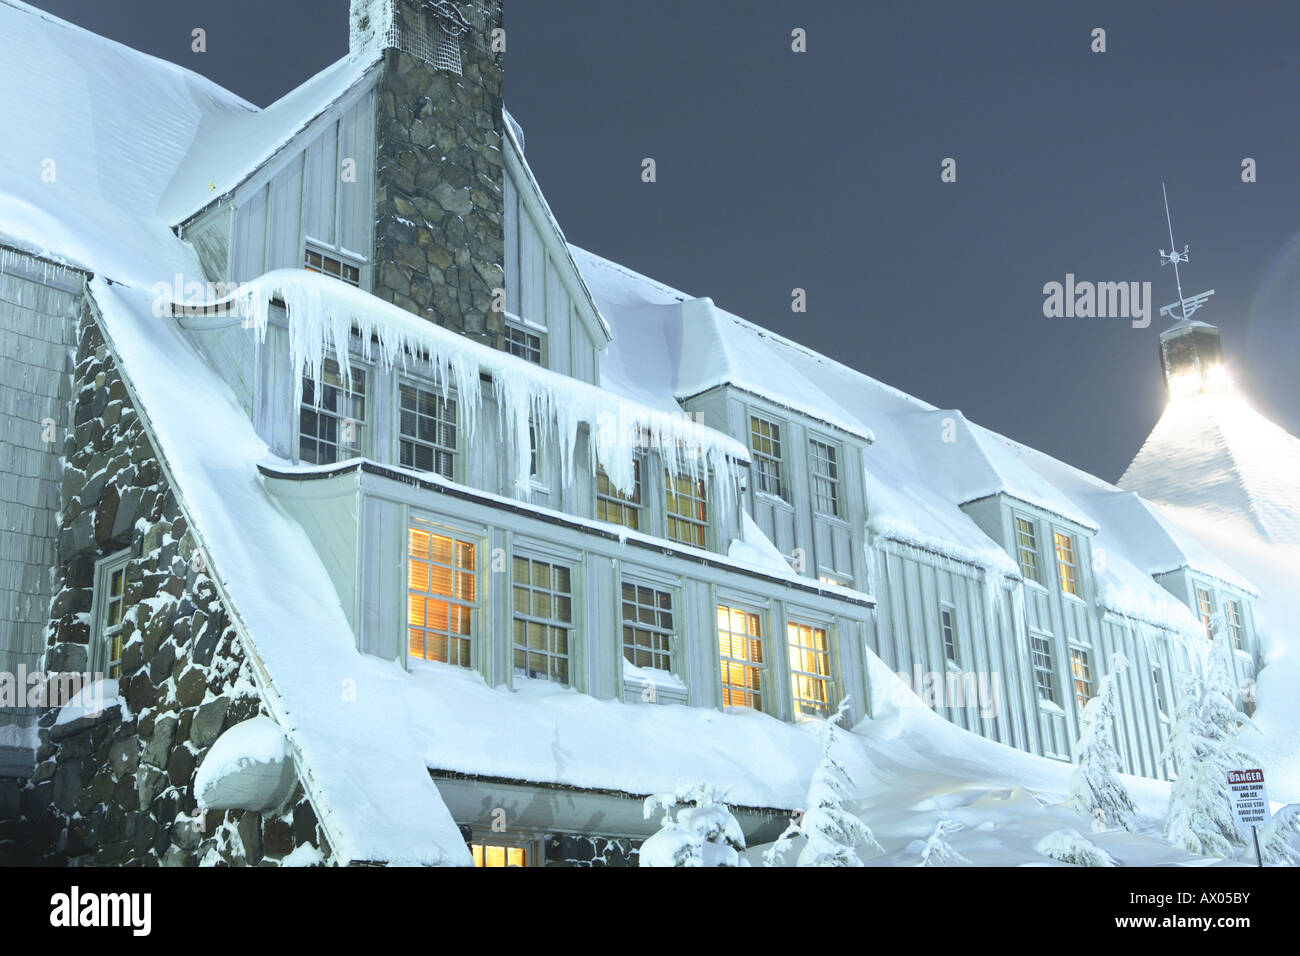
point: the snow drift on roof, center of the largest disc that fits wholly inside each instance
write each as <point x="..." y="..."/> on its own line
<point x="1217" y="455"/>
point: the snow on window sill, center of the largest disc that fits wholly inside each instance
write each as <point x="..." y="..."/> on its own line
<point x="1049" y="707"/>
<point x="1067" y="596"/>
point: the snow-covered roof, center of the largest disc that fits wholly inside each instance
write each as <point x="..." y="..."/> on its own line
<point x="1215" y="454"/>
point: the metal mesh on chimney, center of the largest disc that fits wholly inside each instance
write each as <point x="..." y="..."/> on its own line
<point x="437" y="34"/>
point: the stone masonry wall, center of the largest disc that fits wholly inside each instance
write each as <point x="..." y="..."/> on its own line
<point x="440" y="186"/>
<point x="117" y="787"/>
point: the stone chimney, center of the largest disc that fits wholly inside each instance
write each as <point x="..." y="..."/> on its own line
<point x="439" y="180"/>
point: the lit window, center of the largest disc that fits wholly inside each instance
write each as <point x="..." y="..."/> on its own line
<point x="740" y="647"/>
<point x="834" y="582"/>
<point x="1027" y="548"/>
<point x="1081" y="671"/>
<point x="1206" y="610"/>
<point x="330" y="421"/>
<point x="442" y="587"/>
<point x="1232" y="612"/>
<point x="810" y="669"/>
<point x="825" y="478"/>
<point x="647" y="627"/>
<point x="523" y="344"/>
<point x="686" y="510"/>
<point x="110" y="597"/>
<point x="1040" y="650"/>
<point x="428" y="431"/>
<point x="1065" y="562"/>
<point x="318" y="262"/>
<point x="613" y="506"/>
<point x="948" y="624"/>
<point x="488" y="854"/>
<point x="765" y="440"/>
<point x="543" y="596"/>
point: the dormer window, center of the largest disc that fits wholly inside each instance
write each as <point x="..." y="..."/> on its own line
<point x="685" y="510"/>
<point x="613" y="506"/>
<point x="335" y="268"/>
<point x="523" y="343"/>
<point x="765" y="443"/>
<point x="825" y="478"/>
<point x="330" y="421"/>
<point x="1027" y="548"/>
<point x="1065" y="562"/>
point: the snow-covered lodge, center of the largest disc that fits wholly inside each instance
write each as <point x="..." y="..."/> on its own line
<point x="404" y="531"/>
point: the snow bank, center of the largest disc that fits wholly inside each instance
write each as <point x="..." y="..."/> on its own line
<point x="248" y="767"/>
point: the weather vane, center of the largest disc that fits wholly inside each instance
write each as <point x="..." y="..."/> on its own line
<point x="1181" y="310"/>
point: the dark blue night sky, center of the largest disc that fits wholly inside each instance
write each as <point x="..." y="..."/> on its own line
<point x="821" y="171"/>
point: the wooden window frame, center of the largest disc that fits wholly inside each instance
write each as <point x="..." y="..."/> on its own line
<point x="825" y="471"/>
<point x="346" y="388"/>
<point x="750" y="695"/>
<point x="697" y="519"/>
<point x="613" y="507"/>
<point x="1025" y="531"/>
<point x="768" y="457"/>
<point x="1066" y="562"/>
<point x="1236" y="622"/>
<point x="107" y="637"/>
<point x="803" y="680"/>
<point x="333" y="265"/>
<point x="466" y="645"/>
<point x="552" y="625"/>
<point x="1082" y="677"/>
<point x="1042" y="660"/>
<point x="1205" y="610"/>
<point x="438" y="448"/>
<point x="524" y="342"/>
<point x="948" y="633"/>
<point x="655" y="630"/>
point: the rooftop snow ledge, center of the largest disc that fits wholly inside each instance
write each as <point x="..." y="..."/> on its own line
<point x="322" y="313"/>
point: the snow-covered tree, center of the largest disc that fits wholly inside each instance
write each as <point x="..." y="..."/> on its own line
<point x="703" y="833"/>
<point x="1069" y="846"/>
<point x="937" y="851"/>
<point x="1279" y="842"/>
<point x="1095" y="788"/>
<point x="832" y="834"/>
<point x="1203" y="746"/>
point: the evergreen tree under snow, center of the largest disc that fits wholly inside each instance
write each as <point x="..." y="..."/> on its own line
<point x="1203" y="747"/>
<point x="832" y="834"/>
<point x="1069" y="846"/>
<point x="1095" y="787"/>
<point x="703" y="833"/>
<point x="1279" y="842"/>
<point x="937" y="851"/>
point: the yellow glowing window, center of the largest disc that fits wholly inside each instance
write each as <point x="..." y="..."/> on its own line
<point x="1081" y="670"/>
<point x="765" y="440"/>
<point x="110" y="582"/>
<point x="1232" y="613"/>
<point x="1065" y="562"/>
<point x="327" y="265"/>
<point x="492" y="855"/>
<point x="442" y="588"/>
<point x="1027" y="548"/>
<point x="686" y="510"/>
<point x="1206" y="610"/>
<point x="612" y="505"/>
<point x="810" y="668"/>
<point x="740" y="649"/>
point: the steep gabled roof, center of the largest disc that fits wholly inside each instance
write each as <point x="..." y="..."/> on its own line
<point x="1216" y="455"/>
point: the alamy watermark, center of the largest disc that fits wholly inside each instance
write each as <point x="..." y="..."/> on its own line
<point x="1098" y="300"/>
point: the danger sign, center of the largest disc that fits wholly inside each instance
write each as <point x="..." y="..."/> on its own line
<point x="1249" y="798"/>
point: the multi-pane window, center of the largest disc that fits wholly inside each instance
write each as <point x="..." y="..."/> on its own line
<point x="110" y="584"/>
<point x="1040" y="652"/>
<point x="330" y="418"/>
<point x="647" y="627"/>
<point x="1065" y="562"/>
<point x="1158" y="690"/>
<point x="810" y="669"/>
<point x="948" y="625"/>
<point x="428" y="430"/>
<point x="765" y="441"/>
<point x="825" y="478"/>
<point x="327" y="265"/>
<point x="686" y="511"/>
<point x="524" y="344"/>
<point x="1236" y="629"/>
<point x="612" y="505"/>
<point x="1081" y="672"/>
<point x="740" y="648"/>
<point x="1206" y="609"/>
<point x="1027" y="548"/>
<point x="493" y="854"/>
<point x="441" y="591"/>
<point x="543" y="619"/>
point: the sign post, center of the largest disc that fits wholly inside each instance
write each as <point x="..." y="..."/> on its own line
<point x="1249" y="802"/>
